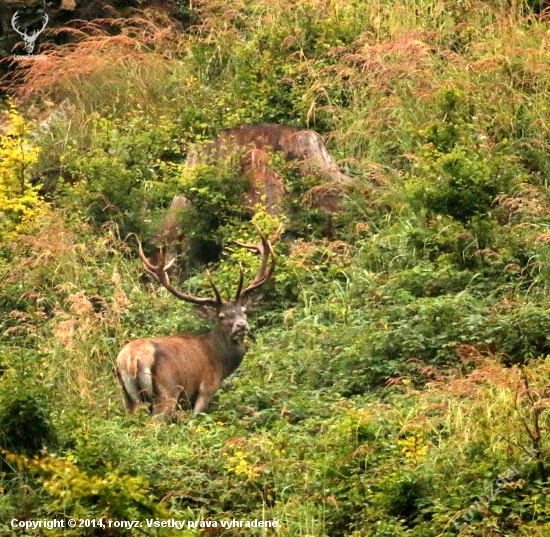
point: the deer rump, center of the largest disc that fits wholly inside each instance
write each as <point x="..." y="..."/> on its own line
<point x="305" y="147"/>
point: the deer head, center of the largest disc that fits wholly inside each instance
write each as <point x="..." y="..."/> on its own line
<point x="230" y="315"/>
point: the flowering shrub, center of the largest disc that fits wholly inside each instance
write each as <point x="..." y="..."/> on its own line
<point x="19" y="201"/>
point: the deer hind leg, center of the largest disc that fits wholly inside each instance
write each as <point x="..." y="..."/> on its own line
<point x="130" y="391"/>
<point x="129" y="403"/>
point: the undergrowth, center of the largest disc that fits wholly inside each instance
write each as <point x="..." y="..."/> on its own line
<point x="399" y="380"/>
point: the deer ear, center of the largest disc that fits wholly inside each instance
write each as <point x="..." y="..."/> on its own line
<point x="252" y="302"/>
<point x="206" y="312"/>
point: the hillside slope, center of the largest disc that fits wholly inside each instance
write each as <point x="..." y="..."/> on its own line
<point x="399" y="381"/>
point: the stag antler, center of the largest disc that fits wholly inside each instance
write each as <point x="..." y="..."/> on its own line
<point x="265" y="249"/>
<point x="159" y="273"/>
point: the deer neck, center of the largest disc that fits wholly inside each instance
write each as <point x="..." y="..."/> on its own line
<point x="228" y="353"/>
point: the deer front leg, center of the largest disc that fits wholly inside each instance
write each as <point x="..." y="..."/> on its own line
<point x="203" y="399"/>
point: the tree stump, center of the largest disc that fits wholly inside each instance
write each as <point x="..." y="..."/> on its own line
<point x="254" y="144"/>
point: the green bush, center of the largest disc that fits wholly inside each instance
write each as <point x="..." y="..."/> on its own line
<point x="118" y="176"/>
<point x="452" y="174"/>
<point x="26" y="424"/>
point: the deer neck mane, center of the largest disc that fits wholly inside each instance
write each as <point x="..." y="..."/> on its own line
<point x="225" y="350"/>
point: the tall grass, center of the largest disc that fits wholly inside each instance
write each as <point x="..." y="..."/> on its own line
<point x="399" y="365"/>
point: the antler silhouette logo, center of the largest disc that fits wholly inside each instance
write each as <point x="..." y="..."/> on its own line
<point x="29" y="40"/>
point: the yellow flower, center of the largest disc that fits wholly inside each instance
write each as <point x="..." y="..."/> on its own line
<point x="239" y="465"/>
<point x="413" y="448"/>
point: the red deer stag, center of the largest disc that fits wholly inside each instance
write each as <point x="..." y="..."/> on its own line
<point x="188" y="368"/>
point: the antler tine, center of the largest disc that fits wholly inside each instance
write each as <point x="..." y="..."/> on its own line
<point x="158" y="272"/>
<point x="260" y="247"/>
<point x="265" y="249"/>
<point x="241" y="282"/>
<point x="263" y="277"/>
<point x="147" y="265"/>
<point x="257" y="248"/>
<point x="277" y="234"/>
<point x="46" y="19"/>
<point x="214" y="288"/>
<point x="38" y="32"/>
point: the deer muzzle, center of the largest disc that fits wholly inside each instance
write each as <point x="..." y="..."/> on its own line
<point x="240" y="330"/>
